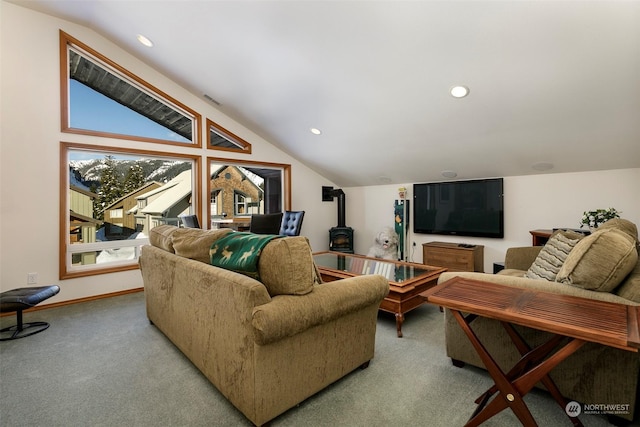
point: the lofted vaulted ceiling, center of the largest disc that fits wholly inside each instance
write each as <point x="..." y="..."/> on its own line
<point x="553" y="83"/>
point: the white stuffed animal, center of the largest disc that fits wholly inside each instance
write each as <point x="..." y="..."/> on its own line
<point x="386" y="245"/>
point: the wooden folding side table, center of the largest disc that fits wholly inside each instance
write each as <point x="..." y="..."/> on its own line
<point x="572" y="320"/>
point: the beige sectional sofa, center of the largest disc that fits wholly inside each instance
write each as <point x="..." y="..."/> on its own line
<point x="602" y="266"/>
<point x="265" y="345"/>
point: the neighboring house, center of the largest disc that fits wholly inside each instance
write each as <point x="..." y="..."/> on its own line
<point x="119" y="216"/>
<point x="82" y="224"/>
<point x="164" y="204"/>
<point x="234" y="193"/>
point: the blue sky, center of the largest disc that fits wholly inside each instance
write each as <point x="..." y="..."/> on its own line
<point x="94" y="111"/>
<point x="92" y="155"/>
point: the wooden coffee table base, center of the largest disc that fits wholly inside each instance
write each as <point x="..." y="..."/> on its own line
<point x="406" y="280"/>
<point x="402" y="300"/>
<point x="528" y="371"/>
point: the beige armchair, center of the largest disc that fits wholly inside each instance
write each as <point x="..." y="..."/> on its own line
<point x="594" y="374"/>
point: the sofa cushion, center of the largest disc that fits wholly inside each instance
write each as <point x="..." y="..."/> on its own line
<point x="286" y="266"/>
<point x="600" y="261"/>
<point x="622" y="225"/>
<point x="512" y="272"/>
<point x="552" y="256"/>
<point x="521" y="258"/>
<point x="195" y="243"/>
<point x="161" y="237"/>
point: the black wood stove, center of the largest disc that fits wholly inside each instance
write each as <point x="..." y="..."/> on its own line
<point x="340" y="237"/>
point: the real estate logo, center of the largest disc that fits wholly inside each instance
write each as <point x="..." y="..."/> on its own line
<point x="573" y="409"/>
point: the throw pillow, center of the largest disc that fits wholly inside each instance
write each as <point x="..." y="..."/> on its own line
<point x="601" y="261"/>
<point x="622" y="225"/>
<point x="551" y="257"/>
<point x="161" y="237"/>
<point x="286" y="267"/>
<point x="195" y="243"/>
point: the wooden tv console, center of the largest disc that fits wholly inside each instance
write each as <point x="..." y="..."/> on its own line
<point x="454" y="257"/>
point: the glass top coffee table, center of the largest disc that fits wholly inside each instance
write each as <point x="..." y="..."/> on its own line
<point x="406" y="280"/>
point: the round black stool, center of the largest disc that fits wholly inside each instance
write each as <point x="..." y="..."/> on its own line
<point x="21" y="299"/>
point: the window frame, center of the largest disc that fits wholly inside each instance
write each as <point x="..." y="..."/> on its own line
<point x="284" y="167"/>
<point x="243" y="146"/>
<point x="116" y="213"/>
<point x="67" y="41"/>
<point x="237" y="195"/>
<point x="218" y="196"/>
<point x="66" y="270"/>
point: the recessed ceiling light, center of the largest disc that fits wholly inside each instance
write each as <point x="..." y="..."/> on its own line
<point x="145" y="41"/>
<point x="459" y="91"/>
<point x="315" y="131"/>
<point x="449" y="174"/>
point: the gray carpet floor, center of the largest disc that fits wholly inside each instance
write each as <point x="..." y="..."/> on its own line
<point x="102" y="364"/>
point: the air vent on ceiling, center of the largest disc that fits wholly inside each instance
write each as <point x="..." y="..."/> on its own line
<point x="210" y="99"/>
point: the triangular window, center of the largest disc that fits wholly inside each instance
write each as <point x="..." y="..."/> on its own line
<point x="219" y="138"/>
<point x="102" y="98"/>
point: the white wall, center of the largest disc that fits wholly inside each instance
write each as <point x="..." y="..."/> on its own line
<point x="30" y="144"/>
<point x="530" y="202"/>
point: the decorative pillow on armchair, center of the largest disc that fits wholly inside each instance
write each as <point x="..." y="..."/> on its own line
<point x="548" y="262"/>
<point x="601" y="261"/>
<point x="623" y="225"/>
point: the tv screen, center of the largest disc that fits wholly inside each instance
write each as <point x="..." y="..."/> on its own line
<point x="463" y="208"/>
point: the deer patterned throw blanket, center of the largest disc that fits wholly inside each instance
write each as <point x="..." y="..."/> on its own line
<point x="239" y="252"/>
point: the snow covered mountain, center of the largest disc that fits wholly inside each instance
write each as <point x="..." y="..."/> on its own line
<point x="154" y="169"/>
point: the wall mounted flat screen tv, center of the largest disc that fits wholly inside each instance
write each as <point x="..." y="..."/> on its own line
<point x="462" y="208"/>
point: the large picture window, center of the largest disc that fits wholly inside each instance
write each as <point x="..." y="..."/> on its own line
<point x="112" y="197"/>
<point x="99" y="97"/>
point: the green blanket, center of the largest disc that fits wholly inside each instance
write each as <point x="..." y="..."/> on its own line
<point x="240" y="252"/>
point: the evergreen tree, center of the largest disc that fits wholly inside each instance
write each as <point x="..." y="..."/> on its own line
<point x="111" y="187"/>
<point x="134" y="179"/>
